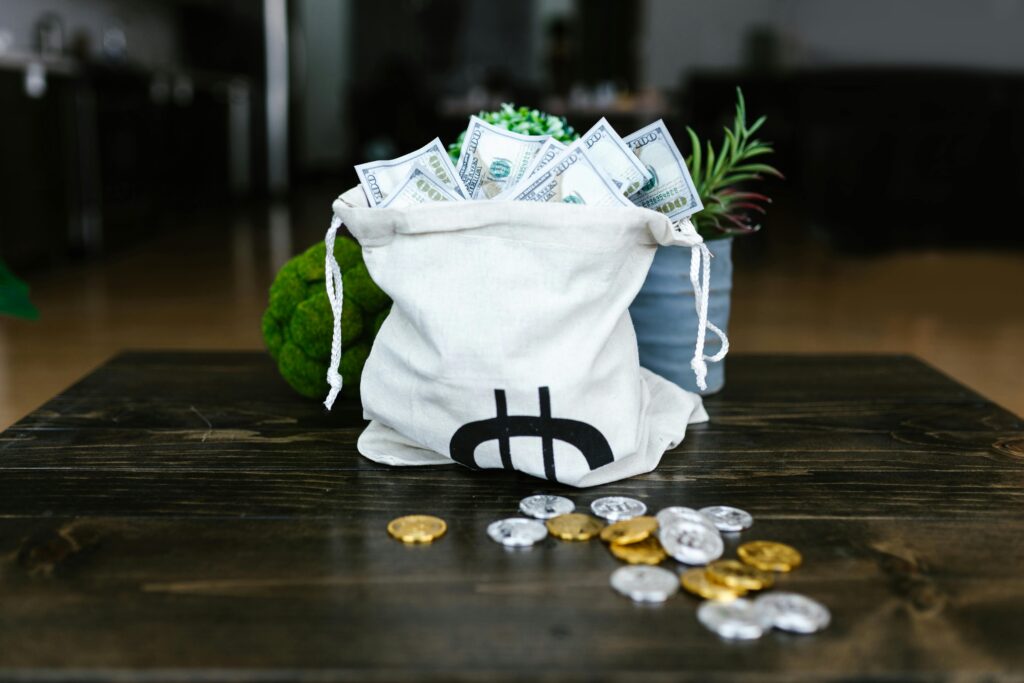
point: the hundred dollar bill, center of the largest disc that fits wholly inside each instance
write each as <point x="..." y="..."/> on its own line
<point x="494" y="159"/>
<point x="380" y="178"/>
<point x="419" y="187"/>
<point x="572" y="177"/>
<point x="612" y="154"/>
<point x="671" y="189"/>
<point x="551" y="149"/>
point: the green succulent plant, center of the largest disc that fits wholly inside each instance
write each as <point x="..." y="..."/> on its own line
<point x="521" y="120"/>
<point x="729" y="210"/>
<point x="298" y="322"/>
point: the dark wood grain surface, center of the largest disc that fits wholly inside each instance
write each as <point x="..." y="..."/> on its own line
<point x="183" y="516"/>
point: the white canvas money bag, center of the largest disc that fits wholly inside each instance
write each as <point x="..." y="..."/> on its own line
<point x="509" y="344"/>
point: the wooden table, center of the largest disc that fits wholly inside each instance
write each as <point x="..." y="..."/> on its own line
<point x="186" y="517"/>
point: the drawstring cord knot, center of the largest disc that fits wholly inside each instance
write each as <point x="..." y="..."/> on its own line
<point x="700" y="279"/>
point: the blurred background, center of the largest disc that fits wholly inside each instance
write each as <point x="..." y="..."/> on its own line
<point x="160" y="159"/>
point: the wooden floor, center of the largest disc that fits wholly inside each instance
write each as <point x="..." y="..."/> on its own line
<point x="203" y="286"/>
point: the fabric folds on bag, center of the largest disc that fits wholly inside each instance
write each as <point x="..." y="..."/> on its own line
<point x="509" y="344"/>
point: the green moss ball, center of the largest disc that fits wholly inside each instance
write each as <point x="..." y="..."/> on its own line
<point x="297" y="325"/>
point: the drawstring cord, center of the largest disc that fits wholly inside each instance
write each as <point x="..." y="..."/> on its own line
<point x="336" y="295"/>
<point x="700" y="256"/>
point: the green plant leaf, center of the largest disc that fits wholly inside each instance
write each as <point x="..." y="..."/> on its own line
<point x="694" y="163"/>
<point x="709" y="162"/>
<point x="739" y="178"/>
<point x="757" y="151"/>
<point x="755" y="168"/>
<point x="14" y="299"/>
<point x="757" y="124"/>
<point x="722" y="156"/>
<point x="733" y="143"/>
<point x="741" y="109"/>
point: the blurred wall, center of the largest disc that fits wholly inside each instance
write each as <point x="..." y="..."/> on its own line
<point x="545" y="12"/>
<point x="149" y="26"/>
<point x="136" y="105"/>
<point x="493" y="45"/>
<point x="322" y="62"/>
<point x="683" y="35"/>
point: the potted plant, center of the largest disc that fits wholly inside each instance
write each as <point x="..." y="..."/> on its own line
<point x="663" y="312"/>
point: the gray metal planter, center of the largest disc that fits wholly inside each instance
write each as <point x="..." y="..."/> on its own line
<point x="666" y="320"/>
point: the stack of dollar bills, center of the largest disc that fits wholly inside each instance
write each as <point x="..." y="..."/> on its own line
<point x="599" y="169"/>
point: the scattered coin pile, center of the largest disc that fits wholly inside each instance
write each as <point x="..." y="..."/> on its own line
<point x="691" y="537"/>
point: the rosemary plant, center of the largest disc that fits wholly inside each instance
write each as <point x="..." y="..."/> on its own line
<point x="729" y="210"/>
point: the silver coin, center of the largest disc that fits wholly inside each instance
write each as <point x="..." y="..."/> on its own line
<point x="642" y="583"/>
<point x="737" y="619"/>
<point x="668" y="515"/>
<point x="617" y="508"/>
<point x="546" y="507"/>
<point x="691" y="542"/>
<point x="793" y="612"/>
<point x="517" y="531"/>
<point x="728" y="518"/>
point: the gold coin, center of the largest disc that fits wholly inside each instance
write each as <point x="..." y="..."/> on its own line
<point x="697" y="582"/>
<point x="417" y="528"/>
<point x="629" y="531"/>
<point x="735" y="574"/>
<point x="769" y="556"/>
<point x="574" y="527"/>
<point x="647" y="551"/>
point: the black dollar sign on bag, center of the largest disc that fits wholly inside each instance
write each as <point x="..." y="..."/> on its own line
<point x="590" y="442"/>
